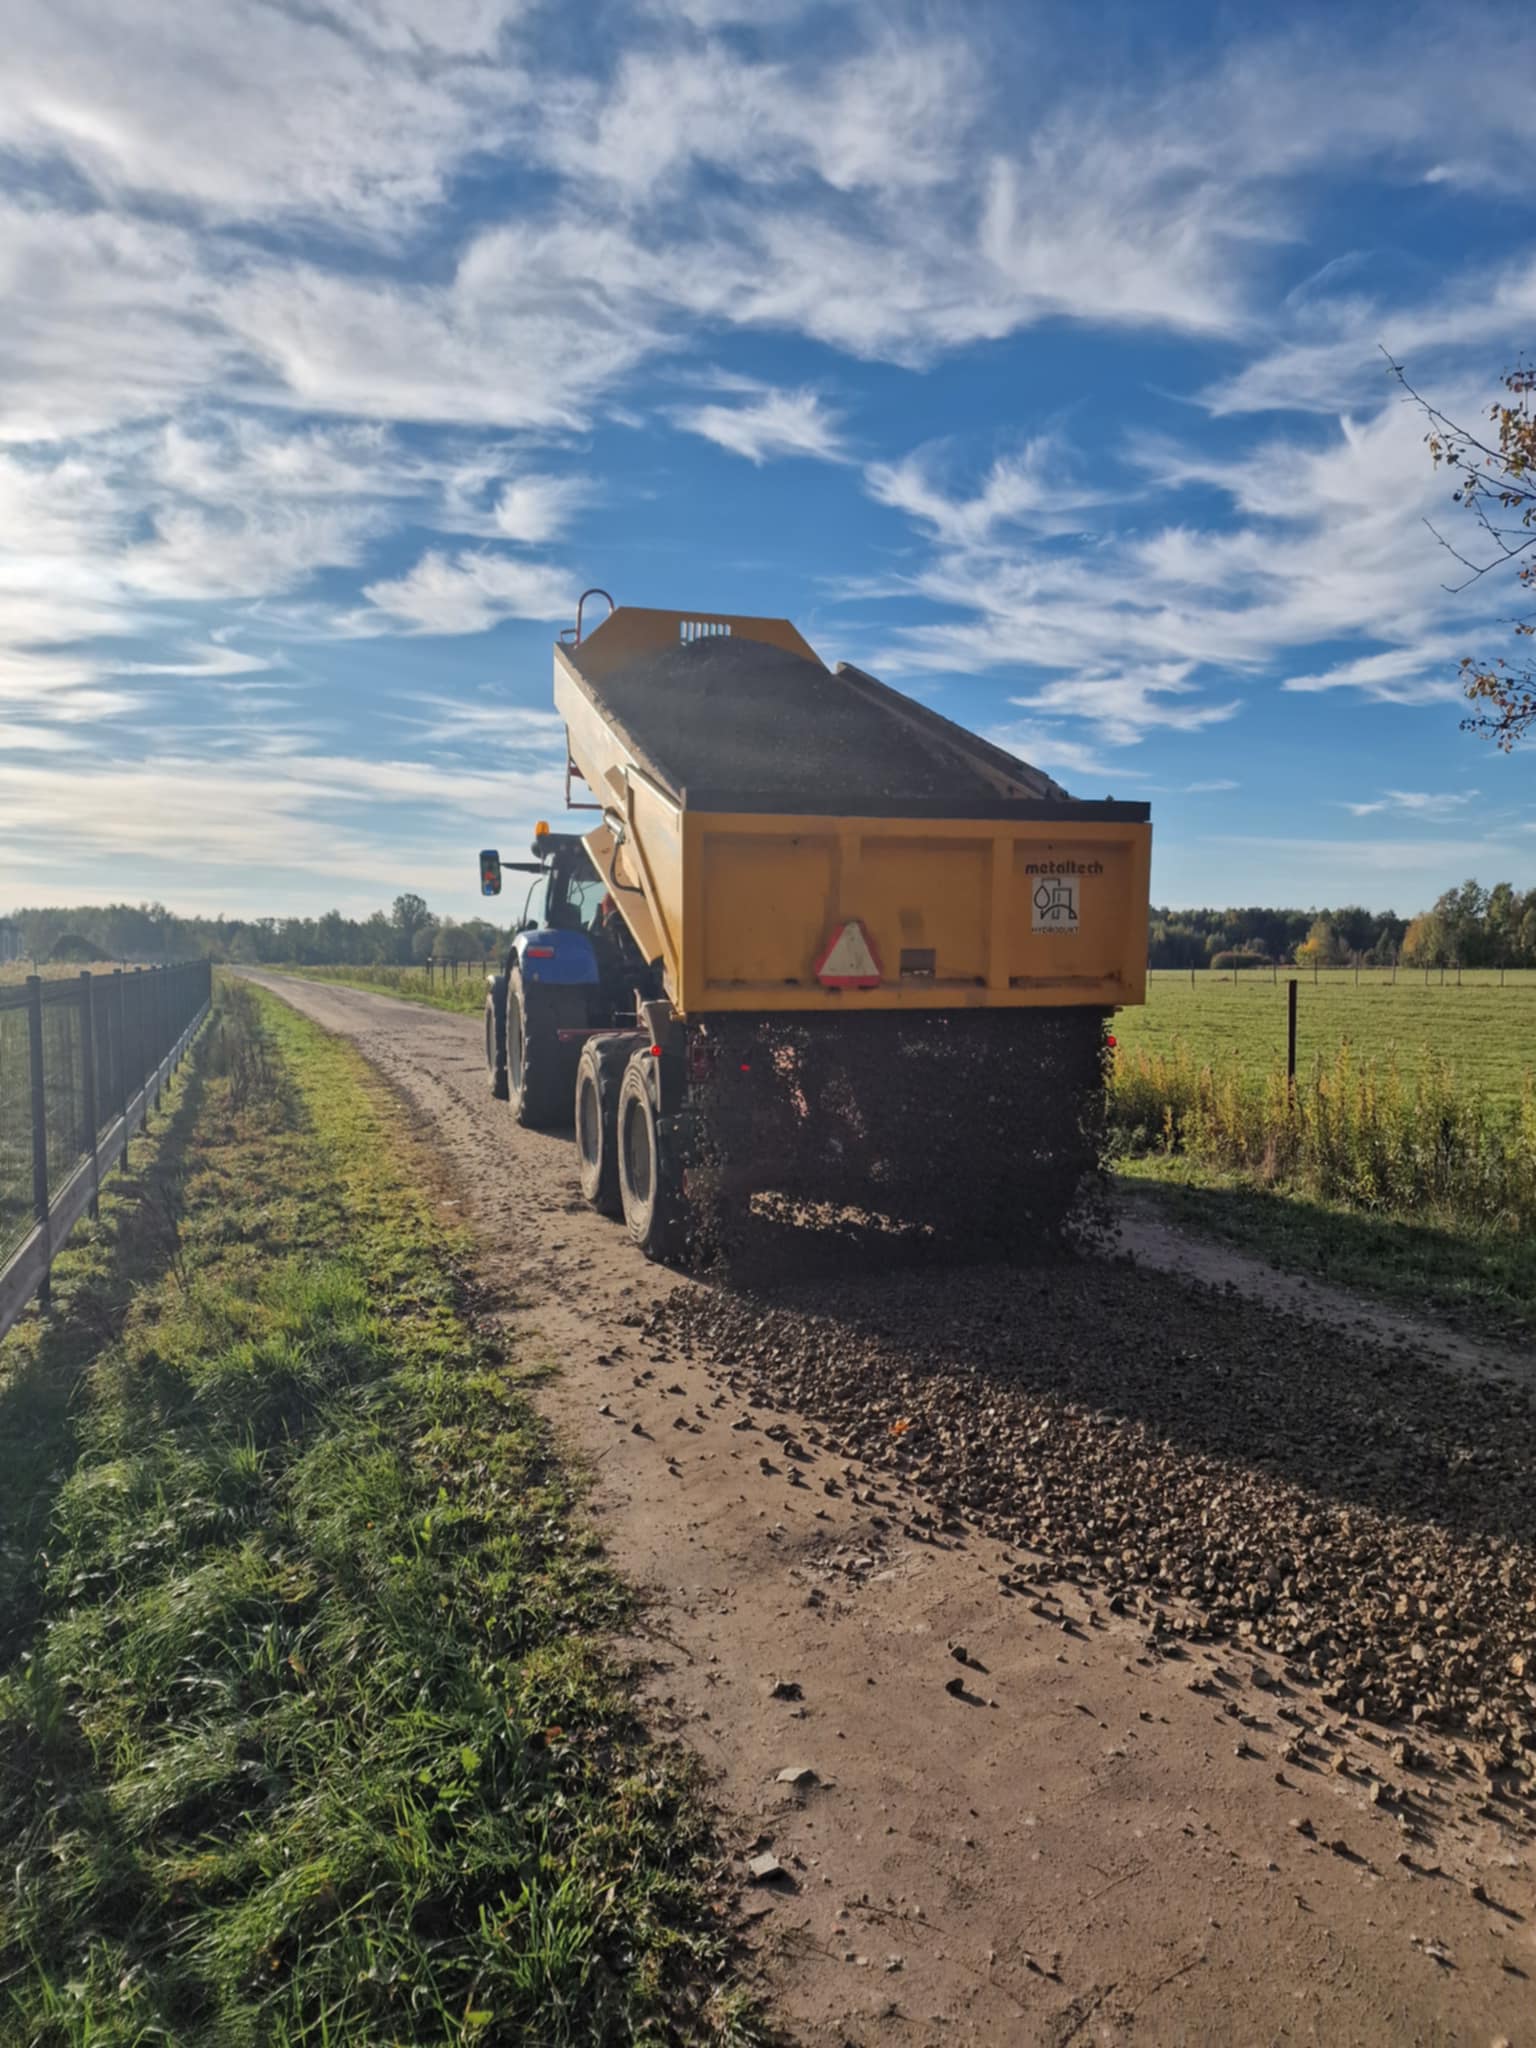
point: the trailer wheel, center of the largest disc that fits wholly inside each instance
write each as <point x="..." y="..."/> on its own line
<point x="540" y="1067"/>
<point x="599" y="1077"/>
<point x="650" y="1183"/>
<point x="496" y="1037"/>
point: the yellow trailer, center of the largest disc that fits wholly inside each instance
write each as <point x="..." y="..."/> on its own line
<point x="978" y="882"/>
<point x="822" y="889"/>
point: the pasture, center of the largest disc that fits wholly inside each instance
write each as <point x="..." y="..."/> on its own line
<point x="1484" y="1033"/>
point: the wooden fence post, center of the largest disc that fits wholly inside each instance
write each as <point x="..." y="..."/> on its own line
<point x="39" y="1124"/>
<point x="88" y="1076"/>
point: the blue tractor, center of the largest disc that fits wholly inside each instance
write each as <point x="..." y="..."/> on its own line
<point x="564" y="1014"/>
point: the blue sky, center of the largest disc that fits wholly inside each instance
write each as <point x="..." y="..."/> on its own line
<point x="1028" y="356"/>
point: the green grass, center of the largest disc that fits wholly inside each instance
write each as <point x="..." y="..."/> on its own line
<point x="466" y="996"/>
<point x="1481" y="1280"/>
<point x="1410" y="1173"/>
<point x="307" y="1731"/>
<point x="1485" y="1034"/>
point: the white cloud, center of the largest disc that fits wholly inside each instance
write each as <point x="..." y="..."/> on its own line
<point x="1426" y="804"/>
<point x="1032" y="488"/>
<point x="468" y="593"/>
<point x="892" y="116"/>
<point x="1424" y="673"/>
<point x="1324" y="545"/>
<point x="534" y="509"/>
<point x="248" y="111"/>
<point x="776" y="423"/>
<point x="46" y="739"/>
<point x="256" y="824"/>
<point x="203" y="661"/>
<point x="1045" y="748"/>
<point x="1124" y="706"/>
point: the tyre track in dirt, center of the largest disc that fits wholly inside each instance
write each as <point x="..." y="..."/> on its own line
<point x="1096" y="1828"/>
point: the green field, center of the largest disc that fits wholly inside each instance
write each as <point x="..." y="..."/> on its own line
<point x="1404" y="1162"/>
<point x="1485" y="1033"/>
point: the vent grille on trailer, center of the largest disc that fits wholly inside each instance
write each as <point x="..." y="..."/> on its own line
<point x="703" y="629"/>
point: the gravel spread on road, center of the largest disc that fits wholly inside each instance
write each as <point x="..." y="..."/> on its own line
<point x="1366" y="1513"/>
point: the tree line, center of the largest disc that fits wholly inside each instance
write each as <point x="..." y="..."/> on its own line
<point x="409" y="932"/>
<point x="1470" y="926"/>
<point x="1466" y="927"/>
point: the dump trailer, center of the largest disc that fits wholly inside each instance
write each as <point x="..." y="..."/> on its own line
<point x="821" y="959"/>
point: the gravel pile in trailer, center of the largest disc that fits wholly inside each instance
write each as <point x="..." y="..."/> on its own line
<point x="734" y="723"/>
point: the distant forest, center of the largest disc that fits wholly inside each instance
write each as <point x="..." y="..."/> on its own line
<point x="1467" y="927"/>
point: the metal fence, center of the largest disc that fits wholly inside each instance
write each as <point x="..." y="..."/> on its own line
<point x="82" y="1061"/>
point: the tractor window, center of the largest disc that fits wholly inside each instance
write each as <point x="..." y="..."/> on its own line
<point x="586" y="894"/>
<point x="536" y="909"/>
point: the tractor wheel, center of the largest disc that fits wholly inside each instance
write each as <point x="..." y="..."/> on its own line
<point x="541" y="1067"/>
<point x="496" y="1037"/>
<point x="599" y="1077"/>
<point x="650" y="1182"/>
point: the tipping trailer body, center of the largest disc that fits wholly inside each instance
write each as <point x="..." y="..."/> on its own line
<point x="755" y="802"/>
<point x="824" y="962"/>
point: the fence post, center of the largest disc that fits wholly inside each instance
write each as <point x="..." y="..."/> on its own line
<point x="88" y="1078"/>
<point x="39" y="1123"/>
<point x="140" y="1035"/>
<point x="120" y="1034"/>
<point x="1290" y="1033"/>
<point x="1191" y="977"/>
<point x="162" y="1002"/>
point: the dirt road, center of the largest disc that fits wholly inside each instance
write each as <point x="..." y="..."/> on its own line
<point x="1239" y="1748"/>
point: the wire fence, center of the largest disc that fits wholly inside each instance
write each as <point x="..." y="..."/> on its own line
<point x="1267" y="973"/>
<point x="82" y="1061"/>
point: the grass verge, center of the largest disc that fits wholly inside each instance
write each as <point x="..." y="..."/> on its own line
<point x="465" y="997"/>
<point x="1420" y="1190"/>
<point x="1480" y="1280"/>
<point x="307" y="1734"/>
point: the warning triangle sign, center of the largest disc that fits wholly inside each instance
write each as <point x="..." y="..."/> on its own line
<point x="850" y="960"/>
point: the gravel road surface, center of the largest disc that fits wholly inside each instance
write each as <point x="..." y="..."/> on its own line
<point x="1103" y="1652"/>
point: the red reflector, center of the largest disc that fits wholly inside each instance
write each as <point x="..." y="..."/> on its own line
<point x="746" y="1066"/>
<point x="655" y="1052"/>
<point x="1110" y="1040"/>
<point x="540" y="952"/>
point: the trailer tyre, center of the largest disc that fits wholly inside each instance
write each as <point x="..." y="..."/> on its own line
<point x="540" y="1066"/>
<point x="496" y="1037"/>
<point x="650" y="1179"/>
<point x="599" y="1078"/>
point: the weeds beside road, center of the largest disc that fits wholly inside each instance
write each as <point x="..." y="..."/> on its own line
<point x="1419" y="1186"/>
<point x="306" y="1730"/>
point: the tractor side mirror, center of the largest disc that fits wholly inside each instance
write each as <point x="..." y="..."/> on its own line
<point x="490" y="872"/>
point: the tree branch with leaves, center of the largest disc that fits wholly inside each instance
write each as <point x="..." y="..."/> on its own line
<point x="1493" y="476"/>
